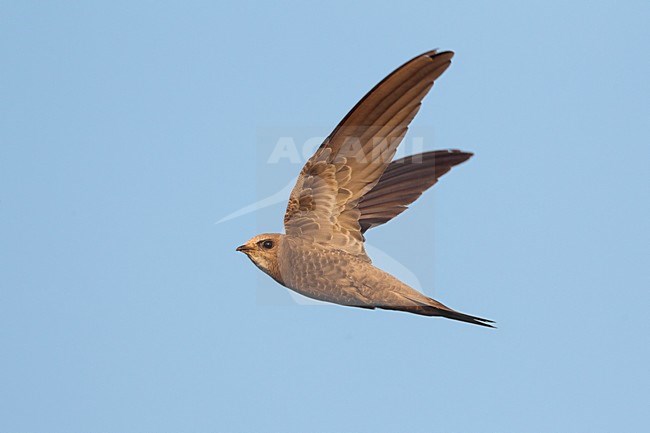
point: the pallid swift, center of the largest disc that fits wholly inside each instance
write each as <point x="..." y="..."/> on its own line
<point x="349" y="186"/>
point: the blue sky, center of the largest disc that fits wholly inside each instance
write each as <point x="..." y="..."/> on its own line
<point x="128" y="129"/>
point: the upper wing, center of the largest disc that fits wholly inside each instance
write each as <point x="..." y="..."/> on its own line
<point x="403" y="182"/>
<point x="323" y="203"/>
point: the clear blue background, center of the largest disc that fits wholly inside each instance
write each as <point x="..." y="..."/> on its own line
<point x="127" y="129"/>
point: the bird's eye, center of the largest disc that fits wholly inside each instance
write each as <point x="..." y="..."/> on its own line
<point x="267" y="244"/>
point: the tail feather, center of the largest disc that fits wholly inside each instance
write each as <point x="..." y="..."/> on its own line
<point x="455" y="315"/>
<point x="435" y="308"/>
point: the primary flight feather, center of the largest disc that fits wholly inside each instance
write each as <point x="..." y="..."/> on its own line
<point x="350" y="185"/>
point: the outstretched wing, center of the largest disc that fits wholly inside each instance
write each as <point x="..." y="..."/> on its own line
<point x="403" y="182"/>
<point x="323" y="205"/>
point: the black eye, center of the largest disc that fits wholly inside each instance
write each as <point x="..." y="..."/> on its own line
<point x="267" y="244"/>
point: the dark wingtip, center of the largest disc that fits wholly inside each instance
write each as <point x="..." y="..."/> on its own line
<point x="461" y="153"/>
<point x="435" y="53"/>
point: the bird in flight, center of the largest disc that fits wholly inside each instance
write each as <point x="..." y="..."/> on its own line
<point x="351" y="185"/>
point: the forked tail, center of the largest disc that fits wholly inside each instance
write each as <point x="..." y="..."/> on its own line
<point x="435" y="308"/>
<point x="455" y="315"/>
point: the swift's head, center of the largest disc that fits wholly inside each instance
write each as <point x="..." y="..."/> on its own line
<point x="263" y="251"/>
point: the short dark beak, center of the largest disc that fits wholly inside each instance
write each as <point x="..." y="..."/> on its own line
<point x="242" y="248"/>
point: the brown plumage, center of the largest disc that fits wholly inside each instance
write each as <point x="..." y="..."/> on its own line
<point x="349" y="186"/>
<point x="403" y="182"/>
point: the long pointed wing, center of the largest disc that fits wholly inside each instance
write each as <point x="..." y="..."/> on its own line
<point x="403" y="182"/>
<point x="323" y="204"/>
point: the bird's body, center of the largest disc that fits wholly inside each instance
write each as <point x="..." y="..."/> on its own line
<point x="349" y="186"/>
<point x="333" y="275"/>
<point x="329" y="274"/>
